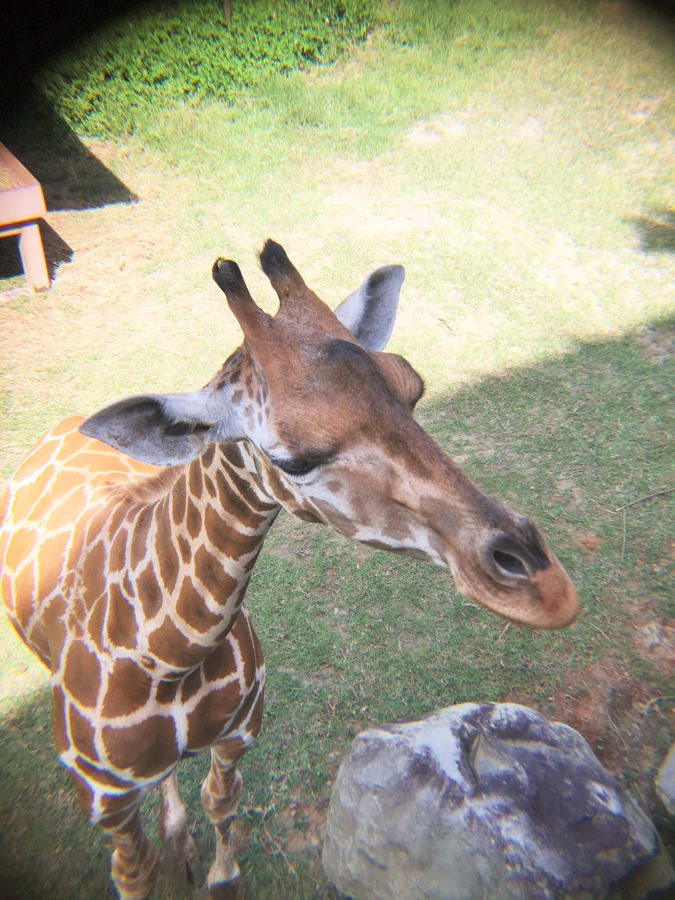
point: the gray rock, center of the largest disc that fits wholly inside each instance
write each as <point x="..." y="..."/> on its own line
<point x="665" y="781"/>
<point x="483" y="801"/>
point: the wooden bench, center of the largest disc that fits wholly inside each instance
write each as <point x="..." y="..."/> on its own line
<point x="21" y="205"/>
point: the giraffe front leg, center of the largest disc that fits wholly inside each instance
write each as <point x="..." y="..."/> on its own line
<point x="134" y="860"/>
<point x="135" y="857"/>
<point x="180" y="851"/>
<point x="221" y="792"/>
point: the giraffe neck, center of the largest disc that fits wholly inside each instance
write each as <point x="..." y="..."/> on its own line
<point x="189" y="556"/>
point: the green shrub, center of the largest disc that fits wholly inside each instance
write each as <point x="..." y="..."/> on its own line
<point x="183" y="50"/>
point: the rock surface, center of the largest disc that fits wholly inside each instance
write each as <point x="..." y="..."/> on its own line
<point x="481" y="801"/>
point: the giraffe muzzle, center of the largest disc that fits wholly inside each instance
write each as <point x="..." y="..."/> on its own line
<point x="525" y="581"/>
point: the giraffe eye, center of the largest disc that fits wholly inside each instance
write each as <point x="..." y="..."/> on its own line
<point x="296" y="466"/>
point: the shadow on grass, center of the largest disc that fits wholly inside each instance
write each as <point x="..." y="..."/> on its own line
<point x="56" y="250"/>
<point x="657" y="232"/>
<point x="32" y="32"/>
<point x="570" y="441"/>
<point x="70" y="175"/>
<point x="46" y="847"/>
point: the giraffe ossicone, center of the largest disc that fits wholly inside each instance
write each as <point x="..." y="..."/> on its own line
<point x="127" y="541"/>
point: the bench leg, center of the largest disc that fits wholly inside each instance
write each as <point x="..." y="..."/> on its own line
<point x="33" y="257"/>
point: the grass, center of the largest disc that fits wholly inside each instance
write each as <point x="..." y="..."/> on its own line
<point x="516" y="159"/>
<point x="183" y="49"/>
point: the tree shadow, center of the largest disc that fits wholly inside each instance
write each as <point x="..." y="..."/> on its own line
<point x="571" y="439"/>
<point x="32" y="32"/>
<point x="72" y="178"/>
<point x="657" y="232"/>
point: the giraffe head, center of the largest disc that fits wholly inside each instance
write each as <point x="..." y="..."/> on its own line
<point x="325" y="423"/>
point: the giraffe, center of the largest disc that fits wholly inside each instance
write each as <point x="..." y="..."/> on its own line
<point x="128" y="540"/>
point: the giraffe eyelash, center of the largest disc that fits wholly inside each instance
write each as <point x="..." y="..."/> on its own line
<point x="296" y="468"/>
<point x="301" y="466"/>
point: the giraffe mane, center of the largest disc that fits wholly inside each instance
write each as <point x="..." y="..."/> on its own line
<point x="147" y="488"/>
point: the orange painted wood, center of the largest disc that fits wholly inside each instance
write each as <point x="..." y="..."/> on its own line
<point x="22" y="203"/>
<point x="21" y="196"/>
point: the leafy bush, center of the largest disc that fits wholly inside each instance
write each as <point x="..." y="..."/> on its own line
<point x="183" y="50"/>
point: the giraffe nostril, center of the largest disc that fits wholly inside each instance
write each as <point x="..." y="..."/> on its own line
<point x="509" y="564"/>
<point x="506" y="557"/>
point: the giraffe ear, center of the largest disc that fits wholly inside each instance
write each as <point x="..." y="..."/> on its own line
<point x="162" y="429"/>
<point x="369" y="312"/>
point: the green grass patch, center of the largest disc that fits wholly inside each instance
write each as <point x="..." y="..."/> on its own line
<point x="128" y="74"/>
<point x="174" y="50"/>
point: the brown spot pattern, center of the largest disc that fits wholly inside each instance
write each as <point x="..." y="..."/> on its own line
<point x="190" y="685"/>
<point x="193" y="520"/>
<point x="178" y="501"/>
<point x="195" y="481"/>
<point x="191" y="608"/>
<point x="129" y="688"/>
<point x="145" y="749"/>
<point x="81" y="675"/>
<point x="205" y="723"/>
<point x="172" y="647"/>
<point x="166" y="691"/>
<point x="185" y="548"/>
<point x="148" y="591"/>
<point x="220" y="663"/>
<point x="140" y="537"/>
<point x="81" y="732"/>
<point x="121" y="625"/>
<point x="117" y="559"/>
